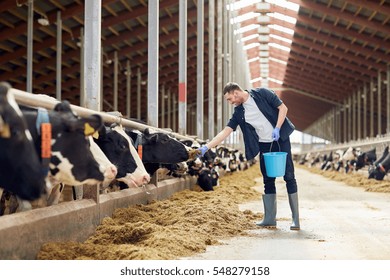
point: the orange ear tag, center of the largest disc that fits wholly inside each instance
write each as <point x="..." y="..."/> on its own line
<point x="140" y="151"/>
<point x="46" y="140"/>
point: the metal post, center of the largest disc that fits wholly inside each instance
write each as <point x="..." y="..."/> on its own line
<point x="139" y="93"/>
<point x="174" y="117"/>
<point x="353" y="112"/>
<point x="153" y="44"/>
<point x="182" y="108"/>
<point x="211" y="126"/>
<point x="365" y="94"/>
<point x="219" y="66"/>
<point x="338" y="125"/>
<point x="115" y="85"/>
<point x="92" y="68"/>
<point x="349" y="119"/>
<point x="128" y="89"/>
<point x="199" y="70"/>
<point x="30" y="42"/>
<point x="379" y="111"/>
<point x="163" y="106"/>
<point x="372" y="108"/>
<point x="345" y="121"/>
<point x="92" y="57"/>
<point x="359" y="117"/>
<point x="225" y="59"/>
<point x="169" y="101"/>
<point x="388" y="98"/>
<point x="82" y="78"/>
<point x="59" y="56"/>
<point x="102" y="80"/>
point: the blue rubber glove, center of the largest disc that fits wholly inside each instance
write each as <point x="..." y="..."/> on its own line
<point x="203" y="150"/>
<point x="275" y="134"/>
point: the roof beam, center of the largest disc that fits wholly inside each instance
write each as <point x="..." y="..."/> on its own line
<point x="345" y="15"/>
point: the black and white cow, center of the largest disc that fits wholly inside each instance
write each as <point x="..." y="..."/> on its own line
<point x="365" y="159"/>
<point x="20" y="167"/>
<point x="381" y="166"/>
<point x="159" y="146"/>
<point x="158" y="149"/>
<point x="65" y="151"/>
<point x="71" y="161"/>
<point x="118" y="148"/>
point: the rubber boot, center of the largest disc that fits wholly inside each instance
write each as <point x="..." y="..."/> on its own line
<point x="293" y="200"/>
<point x="269" y="220"/>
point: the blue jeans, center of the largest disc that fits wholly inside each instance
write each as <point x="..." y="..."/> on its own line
<point x="289" y="177"/>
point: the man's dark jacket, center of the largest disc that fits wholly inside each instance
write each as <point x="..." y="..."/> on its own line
<point x="267" y="102"/>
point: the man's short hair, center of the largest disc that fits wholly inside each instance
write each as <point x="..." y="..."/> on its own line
<point x="231" y="86"/>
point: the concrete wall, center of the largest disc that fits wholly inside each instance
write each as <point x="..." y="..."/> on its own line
<point x="22" y="234"/>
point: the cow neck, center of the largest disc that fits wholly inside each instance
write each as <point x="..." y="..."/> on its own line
<point x="44" y="130"/>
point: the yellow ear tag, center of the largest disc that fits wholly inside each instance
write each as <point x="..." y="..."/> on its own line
<point x="96" y="135"/>
<point x="88" y="129"/>
<point x="5" y="131"/>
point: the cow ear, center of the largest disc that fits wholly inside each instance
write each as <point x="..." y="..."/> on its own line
<point x="63" y="106"/>
<point x="92" y="124"/>
<point x="153" y="138"/>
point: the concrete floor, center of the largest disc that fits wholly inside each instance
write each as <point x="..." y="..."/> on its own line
<point x="338" y="222"/>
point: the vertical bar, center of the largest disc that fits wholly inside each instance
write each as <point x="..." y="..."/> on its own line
<point x="353" y="111"/>
<point x="211" y="68"/>
<point x="128" y="89"/>
<point x="115" y="85"/>
<point x="139" y="93"/>
<point x="359" y="116"/>
<point x="82" y="76"/>
<point x="163" y="106"/>
<point x="153" y="56"/>
<point x="345" y="120"/>
<point x="388" y="98"/>
<point x="59" y="56"/>
<point x="92" y="57"/>
<point x="199" y="70"/>
<point x="169" y="101"/>
<point x="182" y="108"/>
<point x="219" y="66"/>
<point x="101" y="79"/>
<point x="174" y="116"/>
<point x="338" y="125"/>
<point x="379" y="110"/>
<point x="372" y="108"/>
<point x="30" y="42"/>
<point x="365" y="94"/>
<point x="349" y="125"/>
<point x="225" y="60"/>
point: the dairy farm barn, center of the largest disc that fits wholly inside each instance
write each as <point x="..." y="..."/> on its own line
<point x="137" y="88"/>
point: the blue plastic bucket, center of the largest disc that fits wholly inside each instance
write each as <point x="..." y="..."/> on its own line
<point x="275" y="163"/>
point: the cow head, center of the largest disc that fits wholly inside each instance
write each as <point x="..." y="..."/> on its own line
<point x="381" y="169"/>
<point x="118" y="148"/>
<point x="72" y="161"/>
<point x="159" y="147"/>
<point x="20" y="171"/>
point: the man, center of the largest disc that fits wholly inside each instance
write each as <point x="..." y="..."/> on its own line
<point x="261" y="116"/>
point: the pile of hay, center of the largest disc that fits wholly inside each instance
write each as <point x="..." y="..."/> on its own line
<point x="177" y="227"/>
<point x="355" y="179"/>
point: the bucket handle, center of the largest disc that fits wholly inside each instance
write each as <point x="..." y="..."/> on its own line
<point x="270" y="148"/>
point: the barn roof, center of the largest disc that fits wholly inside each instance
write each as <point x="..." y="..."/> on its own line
<point x="336" y="48"/>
